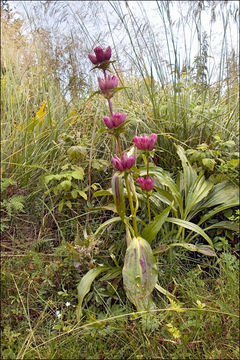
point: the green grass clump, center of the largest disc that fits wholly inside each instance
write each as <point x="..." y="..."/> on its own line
<point x="202" y="323"/>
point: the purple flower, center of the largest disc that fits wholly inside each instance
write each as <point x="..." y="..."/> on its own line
<point x="117" y="163"/>
<point x="108" y="84"/>
<point x="145" y="143"/>
<point x="128" y="162"/>
<point x="152" y="141"/>
<point x="146" y="183"/>
<point x="125" y="163"/>
<point x="101" y="55"/>
<point x="108" y="122"/>
<point x="118" y="118"/>
<point x="115" y="121"/>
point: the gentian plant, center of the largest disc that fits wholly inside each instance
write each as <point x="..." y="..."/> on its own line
<point x="191" y="194"/>
<point x="140" y="270"/>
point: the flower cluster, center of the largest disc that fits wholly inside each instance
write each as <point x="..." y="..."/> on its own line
<point x="125" y="163"/>
<point x="145" y="143"/>
<point x="116" y="120"/>
<point x="146" y="184"/>
<point x="107" y="85"/>
<point x="101" y="55"/>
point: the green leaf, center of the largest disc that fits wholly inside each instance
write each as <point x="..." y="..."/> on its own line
<point x="82" y="194"/>
<point x="119" y="88"/>
<point x="139" y="273"/>
<point x="222" y="194"/>
<point x="68" y="204"/>
<point x="74" y="193"/>
<point x="164" y="196"/>
<point x="198" y="191"/>
<point x="209" y="163"/>
<point x="110" y="207"/>
<point x="106" y="223"/>
<point x="78" y="173"/>
<point x="77" y="152"/>
<point x="100" y="164"/>
<point x="65" y="185"/>
<point x="204" y="249"/>
<point x="164" y="179"/>
<point x="224" y="225"/>
<point x="60" y="205"/>
<point x="163" y="291"/>
<point x="112" y="274"/>
<point x="191" y="226"/>
<point x="189" y="174"/>
<point x="102" y="193"/>
<point x="85" y="285"/>
<point x="151" y="230"/>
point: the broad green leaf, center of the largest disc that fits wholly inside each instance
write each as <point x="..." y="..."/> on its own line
<point x="189" y="173"/>
<point x="204" y="249"/>
<point x="164" y="196"/>
<point x="164" y="179"/>
<point x="102" y="193"/>
<point x="139" y="273"/>
<point x="82" y="194"/>
<point x="60" y="205"/>
<point x="110" y="207"/>
<point x="68" y="204"/>
<point x="100" y="164"/>
<point x="112" y="274"/>
<point x="191" y="226"/>
<point x="223" y="194"/>
<point x="209" y="163"/>
<point x="78" y="173"/>
<point x="198" y="191"/>
<point x="106" y="223"/>
<point x="216" y="210"/>
<point x="65" y="185"/>
<point x="74" y="193"/>
<point x="77" y="152"/>
<point x="151" y="230"/>
<point x="224" y="225"/>
<point x="85" y="285"/>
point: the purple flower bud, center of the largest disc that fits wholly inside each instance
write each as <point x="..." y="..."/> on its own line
<point x="124" y="163"/>
<point x="136" y="141"/>
<point x="145" y="143"/>
<point x="101" y="83"/>
<point x="130" y="161"/>
<point x="118" y="118"/>
<point x="100" y="55"/>
<point x="108" y="122"/>
<point x="110" y="83"/>
<point x="146" y="183"/>
<point x="152" y="141"/>
<point x="117" y="163"/>
<point x="141" y="182"/>
<point x="124" y="160"/>
<point x="93" y="59"/>
<point x="108" y="53"/>
<point x="149" y="184"/>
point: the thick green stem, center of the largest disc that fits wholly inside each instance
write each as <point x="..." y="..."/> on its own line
<point x="148" y="206"/>
<point x="119" y="145"/>
<point x="131" y="204"/>
<point x="147" y="165"/>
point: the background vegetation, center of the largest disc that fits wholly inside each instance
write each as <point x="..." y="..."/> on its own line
<point x="55" y="154"/>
